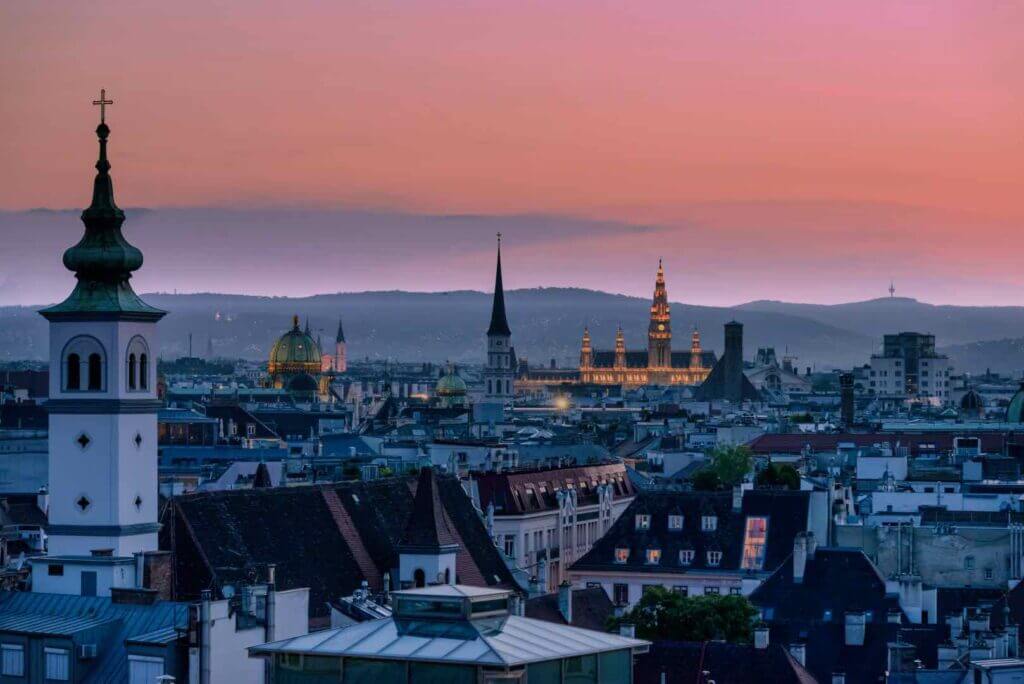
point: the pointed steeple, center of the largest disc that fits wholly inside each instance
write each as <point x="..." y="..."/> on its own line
<point x="340" y="337"/>
<point x="103" y="260"/>
<point x="261" y="480"/>
<point x="427" y="529"/>
<point x="499" y="323"/>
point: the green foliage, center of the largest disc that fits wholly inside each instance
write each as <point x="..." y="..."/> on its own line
<point x="706" y="480"/>
<point x="779" y="475"/>
<point x="731" y="464"/>
<point x="663" y="614"/>
<point x="801" y="418"/>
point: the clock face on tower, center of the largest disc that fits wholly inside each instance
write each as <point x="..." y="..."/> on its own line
<point x="661" y="327"/>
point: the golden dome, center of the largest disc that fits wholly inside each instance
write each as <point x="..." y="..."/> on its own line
<point x="295" y="352"/>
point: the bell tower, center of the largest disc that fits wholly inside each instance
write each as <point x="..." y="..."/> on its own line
<point x="103" y="408"/>
<point x="499" y="372"/>
<point x="659" y="332"/>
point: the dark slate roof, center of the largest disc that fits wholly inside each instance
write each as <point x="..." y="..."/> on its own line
<point x="713" y="386"/>
<point x="518" y="492"/>
<point x="23" y="415"/>
<point x="125" y="622"/>
<point x="682" y="662"/>
<point x="787" y="514"/>
<point x="499" y="322"/>
<point x="427" y="527"/>
<point x="220" y="537"/>
<point x="591" y="608"/>
<point x="229" y="411"/>
<point x="21" y="509"/>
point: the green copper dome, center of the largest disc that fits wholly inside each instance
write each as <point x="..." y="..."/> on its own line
<point x="450" y="385"/>
<point x="1015" y="411"/>
<point x="295" y="352"/>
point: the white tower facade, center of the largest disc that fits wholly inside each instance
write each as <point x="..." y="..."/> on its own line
<point x="103" y="411"/>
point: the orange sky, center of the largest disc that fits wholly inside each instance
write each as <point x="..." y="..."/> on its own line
<point x="654" y="113"/>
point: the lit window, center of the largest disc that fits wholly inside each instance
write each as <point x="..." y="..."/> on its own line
<point x="709" y="523"/>
<point x="643" y="521"/>
<point x="754" y="543"/>
<point x="714" y="558"/>
<point x="653" y="556"/>
<point x="711" y="591"/>
<point x="686" y="557"/>
<point x="12" y="660"/>
<point x="675" y="522"/>
<point x="621" y="555"/>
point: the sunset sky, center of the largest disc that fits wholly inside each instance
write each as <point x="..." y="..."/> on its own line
<point x="793" y="150"/>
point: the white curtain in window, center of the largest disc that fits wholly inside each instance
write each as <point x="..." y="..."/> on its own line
<point x="57" y="667"/>
<point x="12" y="660"/>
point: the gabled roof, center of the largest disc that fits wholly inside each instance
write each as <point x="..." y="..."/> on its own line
<point x="684" y="661"/>
<point x="427" y="528"/>
<point x="518" y="492"/>
<point x="591" y="608"/>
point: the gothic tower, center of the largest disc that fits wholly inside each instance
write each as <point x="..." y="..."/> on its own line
<point x="586" y="351"/>
<point x="340" y="351"/>
<point x="499" y="373"/>
<point x="620" y="349"/>
<point x="103" y="408"/>
<point x="696" y="353"/>
<point x="659" y="333"/>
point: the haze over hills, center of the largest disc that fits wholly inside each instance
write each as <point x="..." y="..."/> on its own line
<point x="547" y="323"/>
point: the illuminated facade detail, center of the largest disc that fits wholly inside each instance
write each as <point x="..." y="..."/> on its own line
<point x="295" y="363"/>
<point x="659" y="365"/>
<point x="754" y="543"/>
<point x="338" y="361"/>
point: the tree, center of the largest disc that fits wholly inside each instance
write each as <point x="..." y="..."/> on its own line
<point x="731" y="464"/>
<point x="706" y="480"/>
<point x="779" y="475"/>
<point x="663" y="614"/>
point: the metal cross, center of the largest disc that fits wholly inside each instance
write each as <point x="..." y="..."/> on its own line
<point x="103" y="102"/>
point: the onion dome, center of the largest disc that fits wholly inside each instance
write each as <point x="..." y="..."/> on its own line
<point x="450" y="384"/>
<point x="1015" y="411"/>
<point x="972" y="401"/>
<point x="103" y="260"/>
<point x="295" y="352"/>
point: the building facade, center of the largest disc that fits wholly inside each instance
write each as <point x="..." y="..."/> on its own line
<point x="909" y="368"/>
<point x="659" y="365"/>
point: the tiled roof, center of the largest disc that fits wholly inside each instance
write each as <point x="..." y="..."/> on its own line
<point x="786" y="511"/>
<point x="222" y="536"/>
<point x="514" y="493"/>
<point x="427" y="527"/>
<point x="591" y="608"/>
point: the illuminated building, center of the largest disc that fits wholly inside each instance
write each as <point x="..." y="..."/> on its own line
<point x="659" y="365"/>
<point x="295" y="364"/>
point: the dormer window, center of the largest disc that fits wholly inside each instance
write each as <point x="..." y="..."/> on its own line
<point x="675" y="523"/>
<point x="686" y="557"/>
<point x="653" y="556"/>
<point x="714" y="559"/>
<point x="709" y="523"/>
<point x="621" y="555"/>
<point x="643" y="521"/>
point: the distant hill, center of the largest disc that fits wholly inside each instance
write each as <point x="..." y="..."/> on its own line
<point x="548" y="322"/>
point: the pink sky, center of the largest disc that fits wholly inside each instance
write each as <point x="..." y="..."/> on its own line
<point x="783" y="148"/>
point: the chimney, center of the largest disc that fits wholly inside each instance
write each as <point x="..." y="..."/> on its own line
<point x="628" y="630"/>
<point x="846" y="404"/>
<point x="140" y="570"/>
<point x="799" y="652"/>
<point x="855" y="628"/>
<point x="565" y="601"/>
<point x="761" y="637"/>
<point x="812" y="545"/>
<point x="733" y="362"/>
<point x="43" y="500"/>
<point x="737" y="498"/>
<point x="799" y="557"/>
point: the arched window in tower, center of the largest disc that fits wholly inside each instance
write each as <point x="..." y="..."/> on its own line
<point x="138" y="364"/>
<point x="132" y="368"/>
<point x="73" y="374"/>
<point x="95" y="372"/>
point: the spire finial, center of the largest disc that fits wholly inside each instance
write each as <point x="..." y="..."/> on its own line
<point x="892" y="290"/>
<point x="103" y="102"/>
<point x="295" y="321"/>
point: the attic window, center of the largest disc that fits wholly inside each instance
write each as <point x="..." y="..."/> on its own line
<point x="686" y="557"/>
<point x="621" y="555"/>
<point x="709" y="523"/>
<point x="675" y="522"/>
<point x="653" y="556"/>
<point x="643" y="521"/>
<point x="714" y="558"/>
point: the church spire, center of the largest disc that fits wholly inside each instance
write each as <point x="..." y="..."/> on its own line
<point x="340" y="337"/>
<point x="103" y="260"/>
<point x="499" y="323"/>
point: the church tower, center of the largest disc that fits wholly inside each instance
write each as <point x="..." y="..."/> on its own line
<point x="499" y="373"/>
<point x="620" y="349"/>
<point x="696" y="353"/>
<point x="340" y="351"/>
<point x="103" y="408"/>
<point x="586" y="351"/>
<point x="659" y="332"/>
